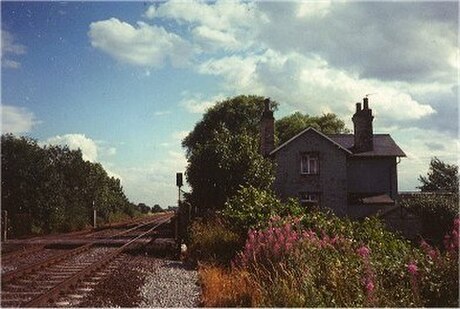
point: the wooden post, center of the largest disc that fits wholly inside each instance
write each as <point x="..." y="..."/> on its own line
<point x="94" y="216"/>
<point x="5" y="224"/>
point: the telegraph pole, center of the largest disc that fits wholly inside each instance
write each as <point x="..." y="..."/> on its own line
<point x="94" y="215"/>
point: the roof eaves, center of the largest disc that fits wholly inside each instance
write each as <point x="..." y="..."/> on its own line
<point x="304" y="131"/>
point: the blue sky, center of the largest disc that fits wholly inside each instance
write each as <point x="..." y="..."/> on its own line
<point x="125" y="82"/>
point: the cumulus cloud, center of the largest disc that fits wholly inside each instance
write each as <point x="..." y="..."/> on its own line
<point x="87" y="146"/>
<point x="154" y="182"/>
<point x="17" y="119"/>
<point x="11" y="48"/>
<point x="220" y="25"/>
<point x="388" y="41"/>
<point x="180" y="135"/>
<point x="196" y="104"/>
<point x="312" y="85"/>
<point x="420" y="145"/>
<point x="141" y="45"/>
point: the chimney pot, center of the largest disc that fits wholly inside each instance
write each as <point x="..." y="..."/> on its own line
<point x="358" y="107"/>
<point x="267" y="104"/>
<point x="366" y="103"/>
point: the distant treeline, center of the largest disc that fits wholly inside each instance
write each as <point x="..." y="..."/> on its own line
<point x="52" y="189"/>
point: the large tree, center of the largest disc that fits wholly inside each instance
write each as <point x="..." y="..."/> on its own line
<point x="223" y="152"/>
<point x="442" y="177"/>
<point x="291" y="125"/>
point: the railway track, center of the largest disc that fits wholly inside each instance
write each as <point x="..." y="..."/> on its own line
<point x="72" y="272"/>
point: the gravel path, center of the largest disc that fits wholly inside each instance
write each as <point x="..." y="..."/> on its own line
<point x="171" y="285"/>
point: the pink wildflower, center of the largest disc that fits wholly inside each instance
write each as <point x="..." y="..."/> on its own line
<point x="370" y="286"/>
<point x="363" y="251"/>
<point x="412" y="269"/>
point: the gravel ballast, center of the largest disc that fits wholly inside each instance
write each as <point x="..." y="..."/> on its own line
<point x="171" y="285"/>
<point x="146" y="281"/>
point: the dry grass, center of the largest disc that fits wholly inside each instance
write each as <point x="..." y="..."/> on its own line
<point x="225" y="288"/>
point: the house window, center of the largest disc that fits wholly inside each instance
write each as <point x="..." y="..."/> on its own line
<point x="309" y="164"/>
<point x="309" y="198"/>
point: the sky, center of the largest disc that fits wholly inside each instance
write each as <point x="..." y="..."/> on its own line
<point x="126" y="81"/>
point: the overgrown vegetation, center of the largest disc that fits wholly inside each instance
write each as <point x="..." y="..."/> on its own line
<point x="436" y="211"/>
<point x="294" y="258"/>
<point x="52" y="189"/>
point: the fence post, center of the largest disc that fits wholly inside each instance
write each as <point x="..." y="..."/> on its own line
<point x="5" y="224"/>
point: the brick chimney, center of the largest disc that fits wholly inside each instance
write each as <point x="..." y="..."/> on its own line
<point x="362" y="123"/>
<point x="267" y="130"/>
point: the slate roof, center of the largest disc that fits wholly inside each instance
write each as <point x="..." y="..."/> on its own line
<point x="384" y="145"/>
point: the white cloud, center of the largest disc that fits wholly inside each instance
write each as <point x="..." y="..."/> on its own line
<point x="11" y="48"/>
<point x="88" y="146"/>
<point x="223" y="25"/>
<point x="313" y="9"/>
<point x="195" y="104"/>
<point x="144" y="45"/>
<point x="162" y="113"/>
<point x="154" y="182"/>
<point x="180" y="135"/>
<point x="91" y="150"/>
<point x="420" y="145"/>
<point x="17" y="119"/>
<point x="312" y="85"/>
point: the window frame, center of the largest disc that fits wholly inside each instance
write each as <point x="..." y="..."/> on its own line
<point x="305" y="198"/>
<point x="309" y="157"/>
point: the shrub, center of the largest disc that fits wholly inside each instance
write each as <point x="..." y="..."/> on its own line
<point x="213" y="242"/>
<point x="437" y="212"/>
<point x="253" y="208"/>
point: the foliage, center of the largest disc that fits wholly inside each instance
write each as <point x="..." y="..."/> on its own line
<point x="52" y="189"/>
<point x="441" y="177"/>
<point x="436" y="211"/>
<point x="252" y="208"/>
<point x="218" y="168"/>
<point x="223" y="152"/>
<point x="288" y="264"/>
<point x="238" y="114"/>
<point x="157" y="208"/>
<point x="291" y="125"/>
<point x="315" y="259"/>
<point x="212" y="241"/>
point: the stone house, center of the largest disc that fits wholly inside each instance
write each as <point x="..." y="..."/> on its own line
<point x="354" y="175"/>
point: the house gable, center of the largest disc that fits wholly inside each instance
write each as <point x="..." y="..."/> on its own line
<point x="310" y="129"/>
<point x="328" y="182"/>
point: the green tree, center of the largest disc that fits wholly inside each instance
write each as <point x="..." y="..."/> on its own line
<point x="157" y="208"/>
<point x="442" y="177"/>
<point x="217" y="169"/>
<point x="287" y="127"/>
<point x="238" y="114"/>
<point x="223" y="152"/>
<point x="52" y="189"/>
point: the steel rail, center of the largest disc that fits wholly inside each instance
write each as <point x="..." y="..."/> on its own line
<point x="9" y="276"/>
<point x="73" y="280"/>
